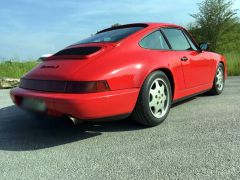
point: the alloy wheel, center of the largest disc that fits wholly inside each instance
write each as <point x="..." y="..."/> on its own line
<point x="219" y="78"/>
<point x="159" y="98"/>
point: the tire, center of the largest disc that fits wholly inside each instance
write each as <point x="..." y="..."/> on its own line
<point x="219" y="81"/>
<point x="154" y="100"/>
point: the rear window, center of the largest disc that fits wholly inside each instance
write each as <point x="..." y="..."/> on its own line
<point x="154" y="40"/>
<point x="112" y="34"/>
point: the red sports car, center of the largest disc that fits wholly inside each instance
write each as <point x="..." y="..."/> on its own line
<point x="135" y="69"/>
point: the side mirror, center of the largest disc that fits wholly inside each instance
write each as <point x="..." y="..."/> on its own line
<point x="204" y="46"/>
<point x="44" y="56"/>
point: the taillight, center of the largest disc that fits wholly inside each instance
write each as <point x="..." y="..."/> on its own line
<point x="87" y="87"/>
<point x="16" y="99"/>
<point x="65" y="86"/>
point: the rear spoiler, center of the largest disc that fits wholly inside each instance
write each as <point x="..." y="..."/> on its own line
<point x="44" y="56"/>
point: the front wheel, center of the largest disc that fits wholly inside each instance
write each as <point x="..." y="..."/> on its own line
<point x="154" y="100"/>
<point x="218" y="83"/>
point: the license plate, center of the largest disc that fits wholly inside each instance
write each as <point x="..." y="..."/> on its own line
<point x="34" y="104"/>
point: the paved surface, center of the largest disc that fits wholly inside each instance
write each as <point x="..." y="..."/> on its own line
<point x="199" y="140"/>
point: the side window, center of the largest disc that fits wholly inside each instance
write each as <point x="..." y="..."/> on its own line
<point x="191" y="42"/>
<point x="154" y="40"/>
<point x="176" y="39"/>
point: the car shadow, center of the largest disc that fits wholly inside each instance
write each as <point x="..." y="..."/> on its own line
<point x="20" y="131"/>
<point x="183" y="102"/>
<point x="190" y="99"/>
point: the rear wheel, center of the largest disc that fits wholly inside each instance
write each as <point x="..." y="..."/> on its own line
<point x="154" y="100"/>
<point x="218" y="83"/>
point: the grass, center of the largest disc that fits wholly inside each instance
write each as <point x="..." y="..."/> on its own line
<point x="16" y="69"/>
<point x="233" y="63"/>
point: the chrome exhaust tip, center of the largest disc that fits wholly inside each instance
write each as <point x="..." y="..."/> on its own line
<point x="75" y="120"/>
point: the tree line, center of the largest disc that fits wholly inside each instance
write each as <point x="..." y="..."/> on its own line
<point x="217" y="23"/>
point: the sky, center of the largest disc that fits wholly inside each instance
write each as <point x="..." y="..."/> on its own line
<point x="31" y="28"/>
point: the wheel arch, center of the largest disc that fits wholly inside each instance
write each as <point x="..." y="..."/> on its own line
<point x="169" y="74"/>
<point x="224" y="67"/>
<point x="222" y="59"/>
<point x="221" y="62"/>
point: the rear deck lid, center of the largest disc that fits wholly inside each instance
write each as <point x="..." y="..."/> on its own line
<point x="64" y="64"/>
<point x="81" y="52"/>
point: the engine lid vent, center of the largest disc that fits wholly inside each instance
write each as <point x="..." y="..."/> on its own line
<point x="83" y="51"/>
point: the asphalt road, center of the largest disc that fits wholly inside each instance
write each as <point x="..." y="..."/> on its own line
<point x="200" y="139"/>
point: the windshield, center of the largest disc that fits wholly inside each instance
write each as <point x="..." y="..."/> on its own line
<point x="111" y="35"/>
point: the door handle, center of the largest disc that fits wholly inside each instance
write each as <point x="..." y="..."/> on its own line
<point x="184" y="58"/>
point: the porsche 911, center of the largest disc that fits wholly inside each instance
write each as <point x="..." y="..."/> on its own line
<point x="136" y="70"/>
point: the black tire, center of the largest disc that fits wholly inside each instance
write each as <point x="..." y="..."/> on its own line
<point x="143" y="112"/>
<point x="216" y="89"/>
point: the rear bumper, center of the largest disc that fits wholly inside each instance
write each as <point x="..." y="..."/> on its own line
<point x="82" y="106"/>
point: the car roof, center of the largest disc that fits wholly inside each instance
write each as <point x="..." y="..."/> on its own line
<point x="153" y="24"/>
<point x="147" y="25"/>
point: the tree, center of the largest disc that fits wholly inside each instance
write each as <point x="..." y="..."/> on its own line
<point x="230" y="41"/>
<point x="214" y="19"/>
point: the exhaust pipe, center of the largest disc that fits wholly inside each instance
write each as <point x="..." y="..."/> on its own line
<point x="75" y="120"/>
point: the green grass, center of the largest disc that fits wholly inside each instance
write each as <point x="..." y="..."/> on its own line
<point x="14" y="69"/>
<point x="233" y="63"/>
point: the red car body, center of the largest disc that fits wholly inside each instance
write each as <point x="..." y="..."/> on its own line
<point x="124" y="65"/>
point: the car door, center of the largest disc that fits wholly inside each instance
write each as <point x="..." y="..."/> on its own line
<point x="163" y="56"/>
<point x="196" y="67"/>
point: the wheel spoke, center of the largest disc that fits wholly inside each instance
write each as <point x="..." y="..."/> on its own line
<point x="157" y="85"/>
<point x="153" y="92"/>
<point x="162" y="88"/>
<point x="153" y="103"/>
<point x="160" y="107"/>
<point x="164" y="98"/>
